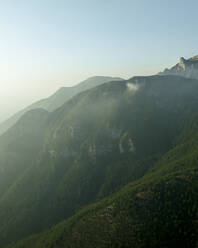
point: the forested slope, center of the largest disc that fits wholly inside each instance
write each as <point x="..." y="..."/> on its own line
<point x="137" y="136"/>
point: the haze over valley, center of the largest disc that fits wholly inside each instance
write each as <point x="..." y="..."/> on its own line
<point x="98" y="124"/>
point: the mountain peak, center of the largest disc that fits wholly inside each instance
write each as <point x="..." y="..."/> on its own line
<point x="182" y="62"/>
<point x="185" y="68"/>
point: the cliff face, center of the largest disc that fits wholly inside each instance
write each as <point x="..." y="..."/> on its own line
<point x="185" y="68"/>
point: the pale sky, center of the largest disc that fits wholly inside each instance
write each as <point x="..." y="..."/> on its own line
<point x="47" y="44"/>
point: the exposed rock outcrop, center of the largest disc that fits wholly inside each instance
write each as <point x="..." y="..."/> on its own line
<point x="185" y="68"/>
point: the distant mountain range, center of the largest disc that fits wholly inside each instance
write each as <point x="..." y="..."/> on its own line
<point x="114" y="166"/>
<point x="186" y="68"/>
<point x="58" y="98"/>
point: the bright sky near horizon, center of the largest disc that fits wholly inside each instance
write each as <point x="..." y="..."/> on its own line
<point x="47" y="44"/>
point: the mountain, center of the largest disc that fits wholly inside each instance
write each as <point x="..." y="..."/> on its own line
<point x="159" y="210"/>
<point x="186" y="68"/>
<point x="19" y="148"/>
<point x="58" y="98"/>
<point x="128" y="149"/>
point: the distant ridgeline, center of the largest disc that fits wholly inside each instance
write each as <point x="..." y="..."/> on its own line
<point x="57" y="99"/>
<point x="115" y="166"/>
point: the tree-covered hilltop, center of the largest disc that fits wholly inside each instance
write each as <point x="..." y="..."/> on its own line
<point x="134" y="137"/>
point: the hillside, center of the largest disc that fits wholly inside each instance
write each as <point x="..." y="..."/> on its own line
<point x="19" y="148"/>
<point x="141" y="131"/>
<point x="159" y="210"/>
<point x="57" y="99"/>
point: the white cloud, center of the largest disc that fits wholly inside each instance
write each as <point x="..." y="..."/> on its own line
<point x="132" y="87"/>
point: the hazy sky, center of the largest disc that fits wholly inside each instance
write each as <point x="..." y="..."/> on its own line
<point x="46" y="44"/>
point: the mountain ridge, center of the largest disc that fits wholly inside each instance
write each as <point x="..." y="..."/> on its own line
<point x="95" y="144"/>
<point x="114" y="166"/>
<point x="58" y="98"/>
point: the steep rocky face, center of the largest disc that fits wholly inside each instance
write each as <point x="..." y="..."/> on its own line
<point x="185" y="68"/>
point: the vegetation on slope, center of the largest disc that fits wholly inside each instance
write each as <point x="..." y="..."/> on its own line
<point x="94" y="145"/>
<point x="159" y="210"/>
